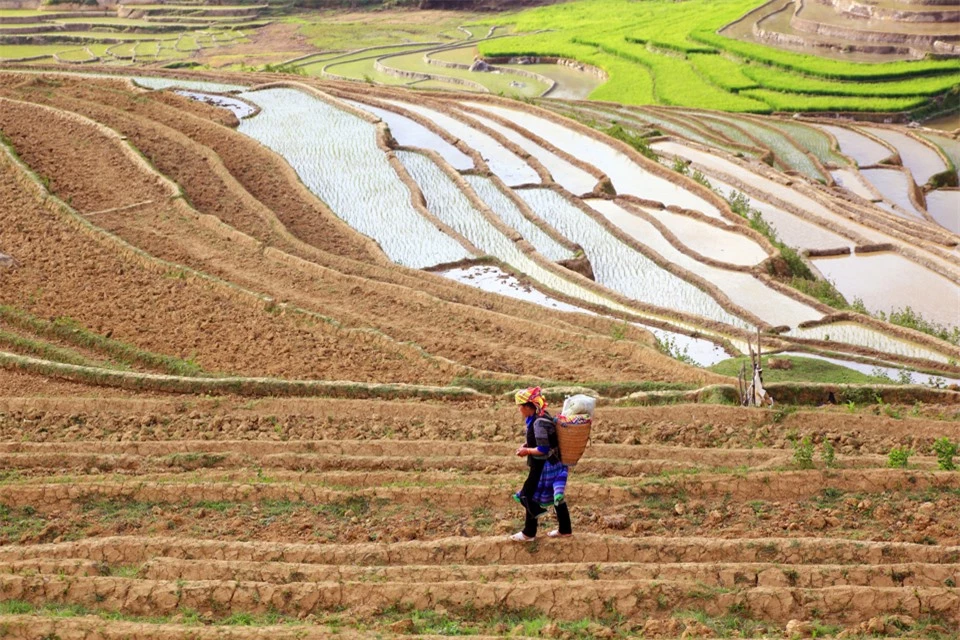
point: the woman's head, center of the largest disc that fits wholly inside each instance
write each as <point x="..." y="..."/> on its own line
<point x="528" y="409"/>
<point x="531" y="402"/>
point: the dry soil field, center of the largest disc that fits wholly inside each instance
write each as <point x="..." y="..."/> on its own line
<point x="177" y="276"/>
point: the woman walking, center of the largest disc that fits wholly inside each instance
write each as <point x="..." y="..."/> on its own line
<point x="547" y="476"/>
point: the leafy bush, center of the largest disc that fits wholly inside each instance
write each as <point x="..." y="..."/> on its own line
<point x="945" y="449"/>
<point x="899" y="457"/>
<point x="909" y="318"/>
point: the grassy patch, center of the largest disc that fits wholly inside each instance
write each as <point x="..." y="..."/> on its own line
<point x="803" y="370"/>
<point x="18" y="521"/>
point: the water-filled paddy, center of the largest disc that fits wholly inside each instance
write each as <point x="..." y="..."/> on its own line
<point x="621" y="267"/>
<point x="510" y="168"/>
<point x="239" y="108"/>
<point x="743" y="289"/>
<point x="709" y="241"/>
<point x="859" y="335"/>
<point x="413" y="134"/>
<point x="164" y="83"/>
<point x="712" y="164"/>
<point x="849" y="180"/>
<point x="494" y="280"/>
<point x="570" y="177"/>
<point x="857" y="146"/>
<point x="508" y="211"/>
<point x="336" y="156"/>
<point x="944" y="206"/>
<point x="922" y="160"/>
<point x="894" y="373"/>
<point x="888" y="281"/>
<point x="895" y="186"/>
<point x="571" y="84"/>
<point x="791" y="229"/>
<point x="448" y="203"/>
<point x="786" y="150"/>
<point x="627" y="176"/>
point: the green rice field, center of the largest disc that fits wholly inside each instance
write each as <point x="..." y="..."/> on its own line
<point x="665" y="52"/>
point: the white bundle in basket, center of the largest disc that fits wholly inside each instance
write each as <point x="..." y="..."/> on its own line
<point x="574" y="426"/>
<point x="579" y="405"/>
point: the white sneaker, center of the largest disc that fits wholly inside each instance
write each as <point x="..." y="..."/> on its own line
<point x="520" y="537"/>
<point x="556" y="534"/>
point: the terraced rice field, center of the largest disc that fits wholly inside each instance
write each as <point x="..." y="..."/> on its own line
<point x="123" y="36"/>
<point x="727" y="55"/>
<point x="265" y="389"/>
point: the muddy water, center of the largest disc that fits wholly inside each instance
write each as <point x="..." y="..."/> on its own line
<point x="894" y="186"/>
<point x="568" y="176"/>
<point x="950" y="122"/>
<point x="710" y="241"/>
<point x="712" y="164"/>
<point x="413" y="134"/>
<point x="742" y="289"/>
<point x="571" y="83"/>
<point x="849" y="180"/>
<point x="923" y="161"/>
<point x="502" y="161"/>
<point x="335" y="154"/>
<point x="857" y="146"/>
<point x="944" y="206"/>
<point x="627" y="176"/>
<point x="888" y="281"/>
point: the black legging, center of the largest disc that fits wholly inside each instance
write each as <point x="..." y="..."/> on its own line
<point x="533" y="509"/>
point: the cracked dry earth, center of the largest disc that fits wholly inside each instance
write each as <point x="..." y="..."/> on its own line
<point x="362" y="514"/>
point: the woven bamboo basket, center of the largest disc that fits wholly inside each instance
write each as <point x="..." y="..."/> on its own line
<point x="572" y="439"/>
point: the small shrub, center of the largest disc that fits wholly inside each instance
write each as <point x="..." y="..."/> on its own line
<point x="899" y="457"/>
<point x="803" y="453"/>
<point x="680" y="166"/>
<point x="945" y="449"/>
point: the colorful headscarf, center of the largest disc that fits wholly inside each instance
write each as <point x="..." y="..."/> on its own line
<point x="534" y="396"/>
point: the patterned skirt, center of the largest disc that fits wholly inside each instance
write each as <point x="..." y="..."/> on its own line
<point x="552" y="486"/>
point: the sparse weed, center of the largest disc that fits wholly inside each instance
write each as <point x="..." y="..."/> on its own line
<point x="803" y="453"/>
<point x="828" y="454"/>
